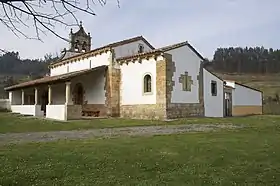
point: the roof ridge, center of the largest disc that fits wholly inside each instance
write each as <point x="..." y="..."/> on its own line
<point x="175" y="45"/>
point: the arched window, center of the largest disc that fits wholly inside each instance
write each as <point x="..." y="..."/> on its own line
<point x="147" y="83"/>
<point x="76" y="46"/>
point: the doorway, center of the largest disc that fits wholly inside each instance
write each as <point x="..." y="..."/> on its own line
<point x="44" y="101"/>
<point x="228" y="104"/>
<point x="79" y="94"/>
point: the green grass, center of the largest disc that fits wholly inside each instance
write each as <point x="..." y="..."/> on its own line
<point x="15" y="123"/>
<point x="249" y="156"/>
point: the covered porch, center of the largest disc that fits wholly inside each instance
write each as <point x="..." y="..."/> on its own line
<point x="62" y="97"/>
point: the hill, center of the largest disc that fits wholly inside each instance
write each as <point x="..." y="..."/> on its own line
<point x="13" y="69"/>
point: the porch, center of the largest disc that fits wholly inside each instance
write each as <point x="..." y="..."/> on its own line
<point x="63" y="98"/>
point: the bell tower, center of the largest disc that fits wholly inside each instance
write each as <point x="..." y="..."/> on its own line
<point x="80" y="41"/>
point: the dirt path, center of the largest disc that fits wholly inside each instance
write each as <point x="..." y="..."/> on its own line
<point x="109" y="132"/>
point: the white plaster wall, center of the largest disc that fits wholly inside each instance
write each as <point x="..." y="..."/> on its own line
<point x="185" y="61"/>
<point x="230" y="83"/>
<point x="86" y="63"/>
<point x="213" y="105"/>
<point x="130" y="49"/>
<point x="23" y="109"/>
<point x="58" y="70"/>
<point x="132" y="81"/>
<point x="93" y="85"/>
<point x="38" y="111"/>
<point x="57" y="112"/>
<point x="245" y="96"/>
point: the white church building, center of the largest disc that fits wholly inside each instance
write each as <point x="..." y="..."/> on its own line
<point x="131" y="79"/>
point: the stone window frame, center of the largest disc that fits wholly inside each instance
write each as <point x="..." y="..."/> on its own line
<point x="143" y="84"/>
<point x="213" y="89"/>
<point x="140" y="46"/>
<point x="186" y="85"/>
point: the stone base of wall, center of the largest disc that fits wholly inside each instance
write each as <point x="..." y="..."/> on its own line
<point x="74" y="111"/>
<point x="246" y="110"/>
<point x="184" y="110"/>
<point x="95" y="108"/>
<point x="145" y="111"/>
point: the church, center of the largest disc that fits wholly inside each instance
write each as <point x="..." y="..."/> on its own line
<point x="131" y="79"/>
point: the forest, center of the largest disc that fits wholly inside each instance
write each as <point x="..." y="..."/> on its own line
<point x="257" y="60"/>
<point x="14" y="70"/>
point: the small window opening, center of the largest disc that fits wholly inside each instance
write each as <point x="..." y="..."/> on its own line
<point x="214" y="88"/>
<point x="147" y="83"/>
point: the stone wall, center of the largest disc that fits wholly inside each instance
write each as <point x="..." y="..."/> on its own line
<point x="74" y="112"/>
<point x="145" y="111"/>
<point x="112" y="88"/>
<point x="183" y="110"/>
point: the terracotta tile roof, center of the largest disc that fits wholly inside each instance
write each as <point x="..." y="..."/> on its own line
<point x="130" y="40"/>
<point x="248" y="87"/>
<point x="158" y="51"/>
<point x="140" y="55"/>
<point x="108" y="46"/>
<point x="178" y="45"/>
<point x="49" y="79"/>
<point x="171" y="47"/>
<point x="100" y="49"/>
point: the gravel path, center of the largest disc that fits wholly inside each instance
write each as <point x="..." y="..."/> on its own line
<point x="110" y="132"/>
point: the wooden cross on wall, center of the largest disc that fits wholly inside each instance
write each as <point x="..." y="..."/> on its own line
<point x="186" y="81"/>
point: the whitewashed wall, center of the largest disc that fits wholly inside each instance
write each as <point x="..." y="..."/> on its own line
<point x="93" y="85"/>
<point x="213" y="105"/>
<point x="57" y="112"/>
<point x="87" y="63"/>
<point x="132" y="82"/>
<point x="59" y="70"/>
<point x="185" y="60"/>
<point x="130" y="49"/>
<point x="243" y="96"/>
<point x="32" y="110"/>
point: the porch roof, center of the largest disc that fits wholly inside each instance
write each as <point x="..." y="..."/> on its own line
<point x="53" y="79"/>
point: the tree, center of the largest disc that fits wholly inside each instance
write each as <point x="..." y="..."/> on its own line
<point x="44" y="14"/>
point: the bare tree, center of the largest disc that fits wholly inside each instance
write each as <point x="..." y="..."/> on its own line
<point x="44" y="15"/>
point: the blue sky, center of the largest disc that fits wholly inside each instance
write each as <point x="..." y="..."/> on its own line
<point x="205" y="24"/>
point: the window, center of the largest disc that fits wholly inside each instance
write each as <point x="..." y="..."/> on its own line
<point x="214" y="88"/>
<point x="76" y="46"/>
<point x="140" y="48"/>
<point x="147" y="83"/>
<point x="186" y="81"/>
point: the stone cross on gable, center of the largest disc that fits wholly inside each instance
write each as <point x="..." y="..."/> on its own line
<point x="186" y="81"/>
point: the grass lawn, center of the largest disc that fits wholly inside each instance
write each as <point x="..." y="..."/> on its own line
<point x="16" y="123"/>
<point x="250" y="156"/>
